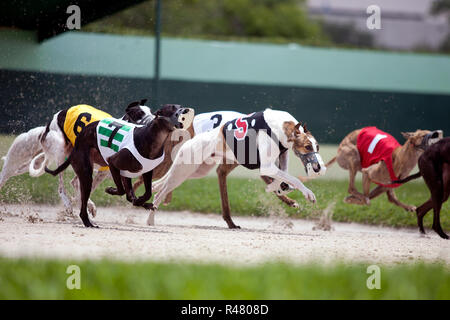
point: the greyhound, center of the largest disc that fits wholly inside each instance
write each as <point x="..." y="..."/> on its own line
<point x="381" y="159"/>
<point x="256" y="141"/>
<point x="128" y="150"/>
<point x="24" y="148"/>
<point x="205" y="122"/>
<point x="434" y="167"/>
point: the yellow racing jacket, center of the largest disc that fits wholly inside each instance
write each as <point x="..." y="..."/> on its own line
<point x="78" y="117"/>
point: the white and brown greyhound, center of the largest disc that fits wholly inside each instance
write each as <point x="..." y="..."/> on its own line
<point x="257" y="141"/>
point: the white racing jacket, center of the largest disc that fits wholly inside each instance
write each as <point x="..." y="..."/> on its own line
<point x="114" y="135"/>
<point x="204" y="122"/>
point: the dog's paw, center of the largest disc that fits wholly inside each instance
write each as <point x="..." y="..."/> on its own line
<point x="411" y="208"/>
<point x="151" y="218"/>
<point x="111" y="190"/>
<point x="149" y="206"/>
<point x="294" y="204"/>
<point x="131" y="199"/>
<point x="309" y="195"/>
<point x="92" y="209"/>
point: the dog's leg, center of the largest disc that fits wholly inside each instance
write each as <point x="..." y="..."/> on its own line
<point x="148" y="190"/>
<point x="378" y="190"/>
<point x="5" y="174"/>
<point x="129" y="192"/>
<point x="356" y="197"/>
<point x="122" y="160"/>
<point x="138" y="183"/>
<point x="439" y="194"/>
<point x="283" y="164"/>
<point x="437" y="198"/>
<point x="393" y="199"/>
<point x="168" y="199"/>
<point x="63" y="195"/>
<point x="119" y="190"/>
<point x="83" y="169"/>
<point x="290" y="202"/>
<point x="421" y="211"/>
<point x="366" y="187"/>
<point x="99" y="177"/>
<point x="268" y="167"/>
<point x="222" y="172"/>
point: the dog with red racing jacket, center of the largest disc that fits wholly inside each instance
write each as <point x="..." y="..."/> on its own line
<point x="381" y="159"/>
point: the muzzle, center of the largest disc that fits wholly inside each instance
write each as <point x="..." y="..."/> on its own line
<point x="430" y="139"/>
<point x="310" y="161"/>
<point x="182" y="118"/>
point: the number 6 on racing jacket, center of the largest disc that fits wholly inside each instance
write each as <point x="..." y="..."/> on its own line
<point x="129" y="150"/>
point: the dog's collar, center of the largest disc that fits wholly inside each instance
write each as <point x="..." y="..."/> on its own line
<point x="146" y="120"/>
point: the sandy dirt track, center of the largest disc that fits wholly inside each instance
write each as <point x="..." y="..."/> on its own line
<point x="42" y="231"/>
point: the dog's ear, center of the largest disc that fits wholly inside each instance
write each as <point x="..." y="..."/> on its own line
<point x="305" y="129"/>
<point x="143" y="101"/>
<point x="132" y="105"/>
<point x="297" y="128"/>
<point x="407" y="135"/>
<point x="290" y="130"/>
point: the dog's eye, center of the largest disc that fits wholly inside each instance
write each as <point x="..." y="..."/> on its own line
<point x="309" y="148"/>
<point x="317" y="148"/>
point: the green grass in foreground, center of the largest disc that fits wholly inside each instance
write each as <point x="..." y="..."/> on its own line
<point x="46" y="279"/>
<point x="247" y="197"/>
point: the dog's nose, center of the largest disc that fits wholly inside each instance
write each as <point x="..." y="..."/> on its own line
<point x="316" y="167"/>
<point x="185" y="111"/>
<point x="435" y="135"/>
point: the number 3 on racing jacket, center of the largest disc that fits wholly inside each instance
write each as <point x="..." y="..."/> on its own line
<point x="114" y="135"/>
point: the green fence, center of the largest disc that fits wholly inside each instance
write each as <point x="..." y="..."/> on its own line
<point x="333" y="90"/>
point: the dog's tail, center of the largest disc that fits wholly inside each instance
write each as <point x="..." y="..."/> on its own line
<point x="31" y="168"/>
<point x="44" y="134"/>
<point x="411" y="177"/>
<point x="329" y="163"/>
<point x="61" y="168"/>
<point x="39" y="171"/>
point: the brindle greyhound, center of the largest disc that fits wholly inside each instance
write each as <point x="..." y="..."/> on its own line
<point x="434" y="167"/>
<point x="148" y="141"/>
<point x="404" y="159"/>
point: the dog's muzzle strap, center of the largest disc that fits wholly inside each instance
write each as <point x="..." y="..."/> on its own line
<point x="146" y="120"/>
<point x="424" y="144"/>
<point x="310" y="157"/>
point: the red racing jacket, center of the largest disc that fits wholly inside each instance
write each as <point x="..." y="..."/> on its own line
<point x="374" y="146"/>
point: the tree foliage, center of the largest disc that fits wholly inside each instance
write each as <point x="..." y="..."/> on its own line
<point x="228" y="18"/>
